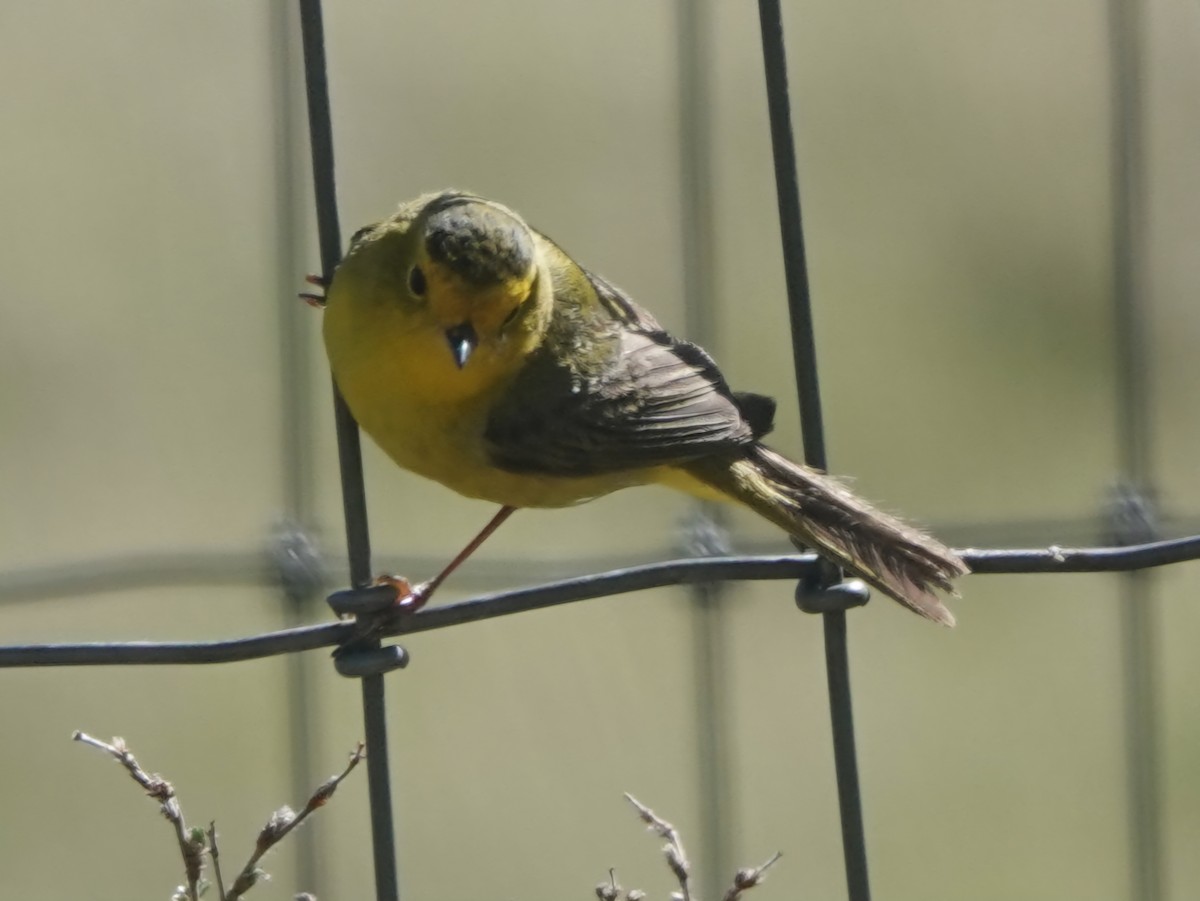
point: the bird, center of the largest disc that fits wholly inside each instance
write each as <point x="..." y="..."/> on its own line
<point x="476" y="352"/>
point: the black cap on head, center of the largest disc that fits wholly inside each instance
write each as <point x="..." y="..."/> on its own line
<point x="480" y="242"/>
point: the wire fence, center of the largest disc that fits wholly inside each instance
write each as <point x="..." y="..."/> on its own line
<point x="1130" y="529"/>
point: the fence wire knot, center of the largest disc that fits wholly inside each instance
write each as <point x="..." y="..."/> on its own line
<point x="361" y="655"/>
<point x="816" y="595"/>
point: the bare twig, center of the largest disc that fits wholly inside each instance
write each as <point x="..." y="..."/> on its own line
<point x="216" y="859"/>
<point x="163" y="792"/>
<point x="284" y="821"/>
<point x="750" y="877"/>
<point x="745" y="878"/>
<point x="193" y="843"/>
<point x="609" y="891"/>
<point x="673" y="850"/>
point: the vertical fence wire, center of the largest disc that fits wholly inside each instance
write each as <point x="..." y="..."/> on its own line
<point x="349" y="453"/>
<point x="296" y="432"/>
<point x="1135" y="522"/>
<point x="704" y="529"/>
<point x="791" y="233"/>
<point x="295" y="356"/>
<point x="804" y="358"/>
<point x="1131" y="403"/>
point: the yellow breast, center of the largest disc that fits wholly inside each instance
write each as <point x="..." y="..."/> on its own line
<point x="402" y="386"/>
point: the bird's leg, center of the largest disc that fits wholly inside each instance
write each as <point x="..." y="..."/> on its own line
<point x="412" y="599"/>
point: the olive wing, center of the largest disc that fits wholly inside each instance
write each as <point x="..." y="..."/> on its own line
<point x="636" y="397"/>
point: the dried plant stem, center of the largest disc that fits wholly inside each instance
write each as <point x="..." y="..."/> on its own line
<point x="162" y="791"/>
<point x="284" y="821"/>
<point x="193" y="843"/>
<point x="216" y="859"/>
<point x="743" y="880"/>
<point x="749" y="878"/>
<point x="673" y="852"/>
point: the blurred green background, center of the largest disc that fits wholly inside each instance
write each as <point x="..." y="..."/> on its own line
<point x="955" y="161"/>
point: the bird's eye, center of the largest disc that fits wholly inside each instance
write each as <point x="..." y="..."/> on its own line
<point x="416" y="281"/>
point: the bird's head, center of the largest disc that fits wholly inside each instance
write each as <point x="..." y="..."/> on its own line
<point x="473" y="273"/>
<point x="447" y="297"/>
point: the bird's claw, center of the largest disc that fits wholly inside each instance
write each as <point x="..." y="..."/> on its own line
<point x="409" y="598"/>
<point x="315" y="300"/>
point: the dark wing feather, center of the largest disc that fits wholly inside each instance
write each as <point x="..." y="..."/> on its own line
<point x="757" y="409"/>
<point x="621" y="308"/>
<point x="633" y="397"/>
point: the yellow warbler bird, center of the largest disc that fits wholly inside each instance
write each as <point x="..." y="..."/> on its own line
<point x="476" y="352"/>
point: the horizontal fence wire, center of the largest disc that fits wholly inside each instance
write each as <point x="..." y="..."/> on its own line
<point x="295" y="556"/>
<point x="567" y="591"/>
<point x="240" y="568"/>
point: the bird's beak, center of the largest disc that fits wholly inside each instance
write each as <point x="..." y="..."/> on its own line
<point x="462" y="340"/>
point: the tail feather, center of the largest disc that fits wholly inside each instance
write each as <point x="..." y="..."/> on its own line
<point x="820" y="512"/>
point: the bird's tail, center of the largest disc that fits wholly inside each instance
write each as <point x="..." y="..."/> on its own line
<point x="819" y="512"/>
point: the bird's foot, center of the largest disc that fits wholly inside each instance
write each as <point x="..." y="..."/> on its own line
<point x="409" y="598"/>
<point x="315" y="300"/>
